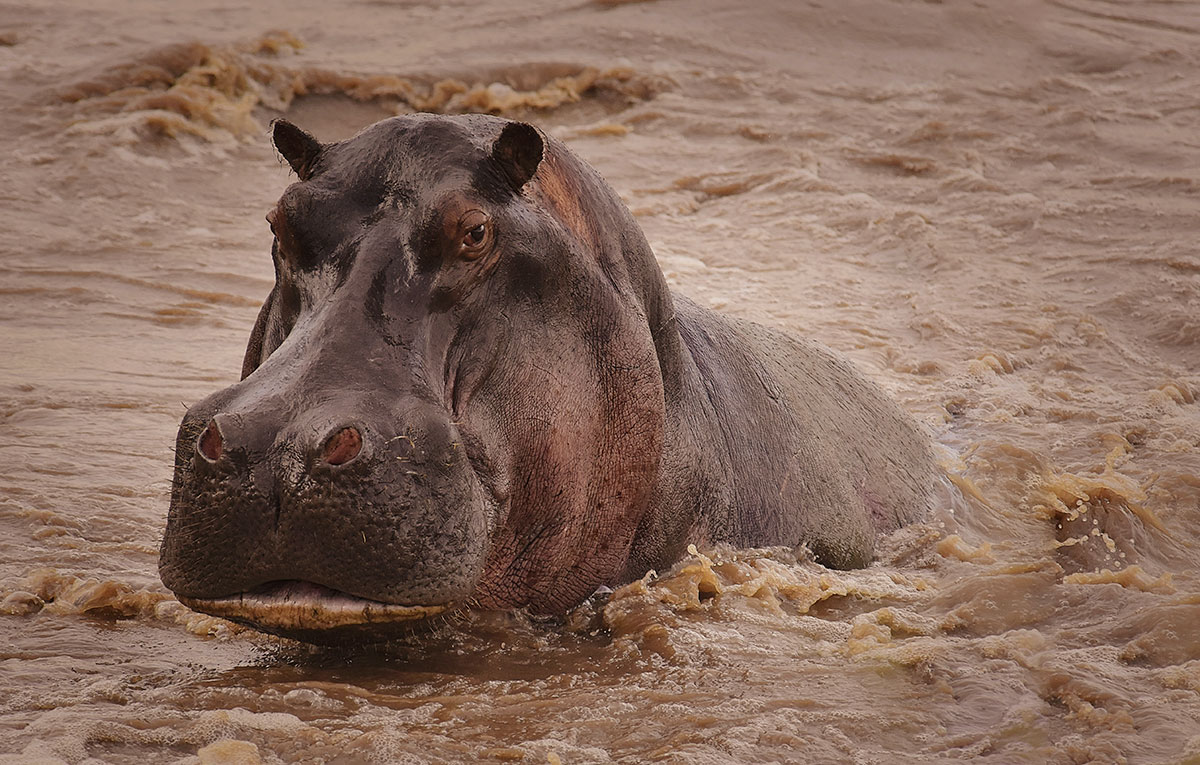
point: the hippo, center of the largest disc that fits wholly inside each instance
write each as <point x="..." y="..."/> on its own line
<point x="471" y="388"/>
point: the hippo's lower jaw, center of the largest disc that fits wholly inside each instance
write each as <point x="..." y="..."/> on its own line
<point x="315" y="613"/>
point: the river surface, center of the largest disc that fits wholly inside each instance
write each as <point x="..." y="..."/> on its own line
<point x="992" y="207"/>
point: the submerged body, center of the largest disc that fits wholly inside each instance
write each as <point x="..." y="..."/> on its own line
<point x="472" y="386"/>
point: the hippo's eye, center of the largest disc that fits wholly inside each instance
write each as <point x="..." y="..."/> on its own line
<point x="476" y="234"/>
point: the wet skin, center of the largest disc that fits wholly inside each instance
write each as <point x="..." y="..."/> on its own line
<point x="471" y="387"/>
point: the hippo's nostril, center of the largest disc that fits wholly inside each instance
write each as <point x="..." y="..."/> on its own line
<point x="210" y="444"/>
<point x="342" y="446"/>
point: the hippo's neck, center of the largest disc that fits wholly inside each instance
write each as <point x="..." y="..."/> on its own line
<point x="695" y="497"/>
<point x="567" y="185"/>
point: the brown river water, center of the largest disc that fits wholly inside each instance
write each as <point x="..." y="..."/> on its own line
<point x="992" y="207"/>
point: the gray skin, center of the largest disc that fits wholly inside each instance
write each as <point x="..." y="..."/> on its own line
<point x="471" y="387"/>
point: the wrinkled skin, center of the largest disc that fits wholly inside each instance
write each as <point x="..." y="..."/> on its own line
<point x="470" y="386"/>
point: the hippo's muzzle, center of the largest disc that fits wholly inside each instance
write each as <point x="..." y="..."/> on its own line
<point x="312" y="511"/>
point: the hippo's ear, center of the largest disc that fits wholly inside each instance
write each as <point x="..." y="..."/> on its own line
<point x="518" y="151"/>
<point x="298" y="147"/>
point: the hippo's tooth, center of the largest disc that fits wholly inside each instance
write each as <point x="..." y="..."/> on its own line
<point x="294" y="605"/>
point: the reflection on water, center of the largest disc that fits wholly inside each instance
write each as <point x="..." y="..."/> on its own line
<point x="993" y="214"/>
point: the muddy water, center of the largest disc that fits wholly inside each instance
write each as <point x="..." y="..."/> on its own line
<point x="992" y="208"/>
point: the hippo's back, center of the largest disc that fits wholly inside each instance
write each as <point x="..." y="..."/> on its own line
<point x="817" y="453"/>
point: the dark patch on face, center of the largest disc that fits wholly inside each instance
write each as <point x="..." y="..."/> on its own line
<point x="490" y="182"/>
<point x="289" y="301"/>
<point x="373" y="303"/>
<point x="276" y="257"/>
<point x="289" y="223"/>
<point x="310" y="225"/>
<point x="426" y="241"/>
<point x="388" y="317"/>
<point x="528" y="275"/>
<point x="443" y="299"/>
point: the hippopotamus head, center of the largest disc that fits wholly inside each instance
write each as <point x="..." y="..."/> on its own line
<point x="452" y="395"/>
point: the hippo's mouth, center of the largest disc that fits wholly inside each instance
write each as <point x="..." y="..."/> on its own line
<point x="303" y="610"/>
